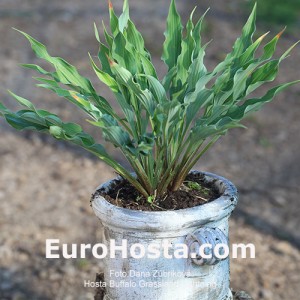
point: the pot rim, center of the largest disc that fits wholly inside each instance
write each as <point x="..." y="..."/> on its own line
<point x="170" y="220"/>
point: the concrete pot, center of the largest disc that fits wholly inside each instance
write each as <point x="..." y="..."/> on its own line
<point x="166" y="278"/>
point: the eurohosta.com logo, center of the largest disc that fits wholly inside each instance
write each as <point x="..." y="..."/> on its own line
<point x="166" y="249"/>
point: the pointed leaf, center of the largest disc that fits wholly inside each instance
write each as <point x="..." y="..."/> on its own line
<point x="197" y="35"/>
<point x="114" y="22"/>
<point x="156" y="88"/>
<point x="243" y="42"/>
<point x="105" y="78"/>
<point x="127" y="79"/>
<point x="108" y="38"/>
<point x="135" y="38"/>
<point x="187" y="48"/>
<point x="23" y="101"/>
<point x="124" y="57"/>
<point x="270" y="47"/>
<point x="173" y="34"/>
<point x="124" y="18"/>
<point x="238" y="112"/>
<point x="96" y="32"/>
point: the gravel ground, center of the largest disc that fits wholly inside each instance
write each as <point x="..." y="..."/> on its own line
<point x="45" y="185"/>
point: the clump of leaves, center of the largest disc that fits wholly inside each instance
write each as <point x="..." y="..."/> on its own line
<point x="168" y="124"/>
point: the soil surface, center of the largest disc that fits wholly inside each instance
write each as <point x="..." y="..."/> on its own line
<point x="45" y="185"/>
<point x="194" y="191"/>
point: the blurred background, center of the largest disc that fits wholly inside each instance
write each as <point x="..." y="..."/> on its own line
<point x="45" y="185"/>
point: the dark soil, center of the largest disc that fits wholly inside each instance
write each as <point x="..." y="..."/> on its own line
<point x="194" y="191"/>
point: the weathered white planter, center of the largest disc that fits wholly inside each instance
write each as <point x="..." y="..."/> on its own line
<point x="181" y="278"/>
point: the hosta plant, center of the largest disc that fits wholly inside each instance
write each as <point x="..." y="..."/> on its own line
<point x="166" y="124"/>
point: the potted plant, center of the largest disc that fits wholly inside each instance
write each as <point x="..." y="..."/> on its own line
<point x="162" y="211"/>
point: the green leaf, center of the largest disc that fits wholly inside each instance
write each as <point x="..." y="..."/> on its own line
<point x="20" y="124"/>
<point x="114" y="133"/>
<point x="243" y="42"/>
<point x="188" y="45"/>
<point x="197" y="35"/>
<point x="202" y="132"/>
<point x="124" y="18"/>
<point x="76" y="98"/>
<point x="123" y="56"/>
<point x="156" y="88"/>
<point x="168" y="79"/>
<point x="195" y="101"/>
<point x="71" y="129"/>
<point x="148" y="67"/>
<point x="3" y="109"/>
<point x="135" y="38"/>
<point x="103" y="53"/>
<point x="127" y="79"/>
<point x="105" y="77"/>
<point x="128" y="112"/>
<point x="108" y="38"/>
<point x="173" y="34"/>
<point x="265" y="73"/>
<point x="23" y="101"/>
<point x="38" y="69"/>
<point x="70" y="132"/>
<point x="114" y="22"/>
<point x="250" y="105"/>
<point x="196" y="70"/>
<point x="66" y="73"/>
<point x="145" y="144"/>
<point x="96" y="33"/>
<point x="38" y="48"/>
<point x="270" y="47"/>
<point x="248" y="55"/>
<point x="287" y="52"/>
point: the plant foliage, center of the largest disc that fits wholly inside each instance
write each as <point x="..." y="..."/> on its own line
<point x="166" y="125"/>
